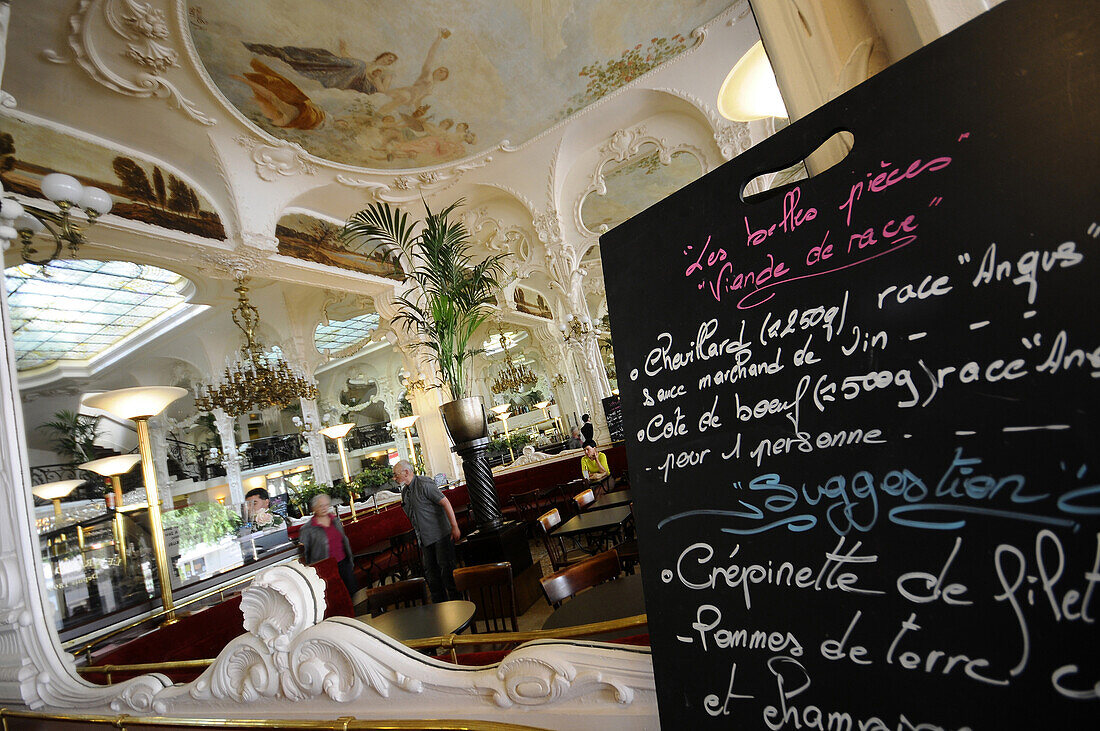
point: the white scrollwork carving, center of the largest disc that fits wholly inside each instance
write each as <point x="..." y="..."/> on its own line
<point x="275" y="159"/>
<point x="530" y="676"/>
<point x="142" y="30"/>
<point x="242" y="261"/>
<point x="281" y="602"/>
<point x="732" y="138"/>
<point x="405" y="188"/>
<point x="623" y="145"/>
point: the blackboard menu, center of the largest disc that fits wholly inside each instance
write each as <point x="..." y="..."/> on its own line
<point x="613" y="411"/>
<point x="861" y="412"/>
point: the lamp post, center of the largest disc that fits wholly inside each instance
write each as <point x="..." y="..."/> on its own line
<point x="139" y="405"/>
<point x="114" y="467"/>
<point x="502" y="413"/>
<point x="406" y="422"/>
<point x="337" y="433"/>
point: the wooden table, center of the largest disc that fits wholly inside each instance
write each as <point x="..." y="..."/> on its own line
<point x="429" y="620"/>
<point x="616" y="599"/>
<point x="594" y="521"/>
<point x="611" y="500"/>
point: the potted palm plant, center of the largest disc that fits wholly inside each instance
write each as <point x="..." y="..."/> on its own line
<point x="450" y="297"/>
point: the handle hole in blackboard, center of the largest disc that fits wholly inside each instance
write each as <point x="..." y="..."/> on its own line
<point x="831" y="152"/>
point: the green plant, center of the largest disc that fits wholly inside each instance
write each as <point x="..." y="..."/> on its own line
<point x="73" y="434"/>
<point x="451" y="296"/>
<point x="203" y="523"/>
<point x="518" y="440"/>
<point x="372" y="477"/>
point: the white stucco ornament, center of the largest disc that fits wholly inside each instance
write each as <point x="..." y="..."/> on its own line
<point x="291" y="662"/>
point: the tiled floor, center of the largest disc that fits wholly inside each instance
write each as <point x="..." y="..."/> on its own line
<point x="541" y="609"/>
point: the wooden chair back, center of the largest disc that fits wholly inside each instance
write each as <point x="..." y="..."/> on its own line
<point x="584" y="499"/>
<point x="407" y="552"/>
<point x="528" y="505"/>
<point x="550" y="520"/>
<point x="563" y="584"/>
<point x="490" y="587"/>
<point x="376" y="600"/>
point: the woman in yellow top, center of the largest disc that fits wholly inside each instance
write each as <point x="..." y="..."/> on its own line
<point x="594" y="469"/>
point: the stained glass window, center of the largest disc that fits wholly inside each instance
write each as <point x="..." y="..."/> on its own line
<point x="75" y="309"/>
<point x="337" y="336"/>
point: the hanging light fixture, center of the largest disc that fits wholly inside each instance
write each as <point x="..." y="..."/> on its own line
<point x="26" y="221"/>
<point x="257" y="379"/>
<point x="511" y="377"/>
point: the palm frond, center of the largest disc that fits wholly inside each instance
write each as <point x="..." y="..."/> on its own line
<point x="450" y="296"/>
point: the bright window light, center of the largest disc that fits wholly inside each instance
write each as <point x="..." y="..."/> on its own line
<point x="75" y="309"/>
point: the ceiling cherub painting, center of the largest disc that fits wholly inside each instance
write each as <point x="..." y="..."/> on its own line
<point x="396" y="85"/>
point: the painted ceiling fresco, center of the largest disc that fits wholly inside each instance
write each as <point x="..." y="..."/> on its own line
<point x="393" y="84"/>
<point x="141" y="190"/>
<point x="634" y="186"/>
<point x="312" y="239"/>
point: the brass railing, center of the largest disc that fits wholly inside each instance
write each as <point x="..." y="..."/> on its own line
<point x="445" y="642"/>
<point x="123" y="721"/>
<point x="159" y="613"/>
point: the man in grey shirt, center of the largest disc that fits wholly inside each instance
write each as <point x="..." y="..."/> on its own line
<point x="433" y="521"/>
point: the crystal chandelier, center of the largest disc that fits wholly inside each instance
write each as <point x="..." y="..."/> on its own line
<point x="511" y="377"/>
<point x="257" y="379"/>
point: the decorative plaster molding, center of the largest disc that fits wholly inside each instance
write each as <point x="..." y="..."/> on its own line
<point x="410" y="186"/>
<point x="622" y="146"/>
<point x="289" y="656"/>
<point x="240" y="262"/>
<point x="144" y="32"/>
<point x="523" y="199"/>
<point x="272" y="160"/>
<point x="732" y="138"/>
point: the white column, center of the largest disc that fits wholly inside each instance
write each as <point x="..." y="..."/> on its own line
<point x="230" y="458"/>
<point x="158" y="445"/>
<point x="318" y="452"/>
<point x="435" y="445"/>
<point x="593" y="381"/>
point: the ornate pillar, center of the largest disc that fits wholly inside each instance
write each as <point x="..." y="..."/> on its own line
<point x="230" y="458"/>
<point x="318" y="450"/>
<point x="593" y="381"/>
<point x="559" y="363"/>
<point x="158" y="445"/>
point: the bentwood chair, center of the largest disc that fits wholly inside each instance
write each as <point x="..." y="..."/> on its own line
<point x="569" y="581"/>
<point x="560" y="557"/>
<point x="490" y="587"/>
<point x="376" y="600"/>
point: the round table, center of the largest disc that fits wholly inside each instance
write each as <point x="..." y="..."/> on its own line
<point x="429" y="620"/>
<point x="616" y="599"/>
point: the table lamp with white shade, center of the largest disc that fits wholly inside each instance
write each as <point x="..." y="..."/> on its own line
<point x="337" y="432"/>
<point x="139" y="405"/>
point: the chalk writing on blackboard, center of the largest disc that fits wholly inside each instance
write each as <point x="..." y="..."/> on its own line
<point x="861" y="426"/>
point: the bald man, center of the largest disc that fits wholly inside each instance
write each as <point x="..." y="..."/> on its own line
<point x="433" y="521"/>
